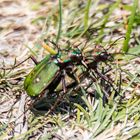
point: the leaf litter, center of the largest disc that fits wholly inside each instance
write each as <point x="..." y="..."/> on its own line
<point x="22" y="23"/>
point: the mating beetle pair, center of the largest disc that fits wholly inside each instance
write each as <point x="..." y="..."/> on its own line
<point x="49" y="72"/>
<point x="46" y="76"/>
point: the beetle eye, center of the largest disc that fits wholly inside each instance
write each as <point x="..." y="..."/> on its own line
<point x="104" y="55"/>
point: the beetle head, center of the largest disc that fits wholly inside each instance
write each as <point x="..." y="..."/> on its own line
<point x="76" y="56"/>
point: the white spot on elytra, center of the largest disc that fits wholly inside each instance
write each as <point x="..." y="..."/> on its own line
<point x="37" y="79"/>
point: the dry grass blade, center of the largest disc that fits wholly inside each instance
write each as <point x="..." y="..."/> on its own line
<point x="84" y="113"/>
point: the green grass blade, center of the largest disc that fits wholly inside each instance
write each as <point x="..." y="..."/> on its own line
<point x="106" y="17"/>
<point x="84" y="112"/>
<point x="130" y="24"/>
<point x="86" y="17"/>
<point x="60" y="21"/>
<point x="106" y="121"/>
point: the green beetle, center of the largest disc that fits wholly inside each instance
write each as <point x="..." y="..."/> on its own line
<point x="48" y="73"/>
<point x="41" y="76"/>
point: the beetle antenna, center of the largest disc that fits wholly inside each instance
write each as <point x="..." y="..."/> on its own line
<point x="128" y="54"/>
<point x="16" y="65"/>
<point x="85" y="45"/>
<point x="115" y="42"/>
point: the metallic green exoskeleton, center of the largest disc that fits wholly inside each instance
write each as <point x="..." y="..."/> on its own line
<point x="47" y="74"/>
<point x="41" y="76"/>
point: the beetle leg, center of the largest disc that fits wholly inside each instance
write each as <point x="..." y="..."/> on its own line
<point x="107" y="80"/>
<point x="34" y="59"/>
<point x="73" y="76"/>
<point x="120" y="82"/>
<point x="61" y="95"/>
<point x="64" y="82"/>
<point x="16" y="65"/>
